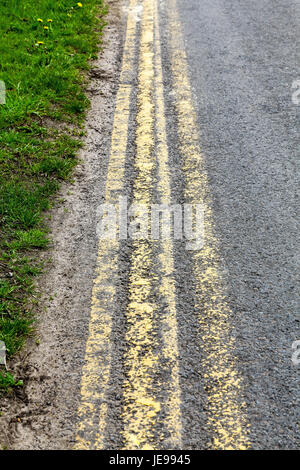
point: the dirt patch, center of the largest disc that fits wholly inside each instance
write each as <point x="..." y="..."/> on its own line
<point x="42" y="414"/>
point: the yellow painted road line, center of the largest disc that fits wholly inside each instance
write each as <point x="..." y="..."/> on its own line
<point x="227" y="420"/>
<point x="142" y="407"/>
<point x="167" y="287"/>
<point x="96" y="371"/>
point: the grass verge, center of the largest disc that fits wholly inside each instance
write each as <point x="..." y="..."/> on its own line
<point x="45" y="51"/>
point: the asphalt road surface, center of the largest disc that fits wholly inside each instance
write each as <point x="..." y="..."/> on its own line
<point x="188" y="342"/>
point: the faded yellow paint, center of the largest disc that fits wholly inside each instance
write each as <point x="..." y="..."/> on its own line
<point x="227" y="417"/>
<point x="142" y="408"/>
<point x="96" y="371"/>
<point x="168" y="317"/>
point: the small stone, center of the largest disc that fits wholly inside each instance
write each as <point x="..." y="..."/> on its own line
<point x="2" y="354"/>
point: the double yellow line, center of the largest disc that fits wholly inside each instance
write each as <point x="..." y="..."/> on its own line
<point x="141" y="411"/>
<point x="152" y="332"/>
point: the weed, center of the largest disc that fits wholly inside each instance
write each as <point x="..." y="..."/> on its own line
<point x="7" y="382"/>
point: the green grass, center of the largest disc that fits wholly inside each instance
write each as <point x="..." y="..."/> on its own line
<point x="7" y="381"/>
<point x="43" y="65"/>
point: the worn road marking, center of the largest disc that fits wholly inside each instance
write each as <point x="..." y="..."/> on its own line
<point x="96" y="371"/>
<point x="142" y="411"/>
<point x="227" y="419"/>
<point x="141" y="408"/>
<point x="169" y="317"/>
<point x="142" y="361"/>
